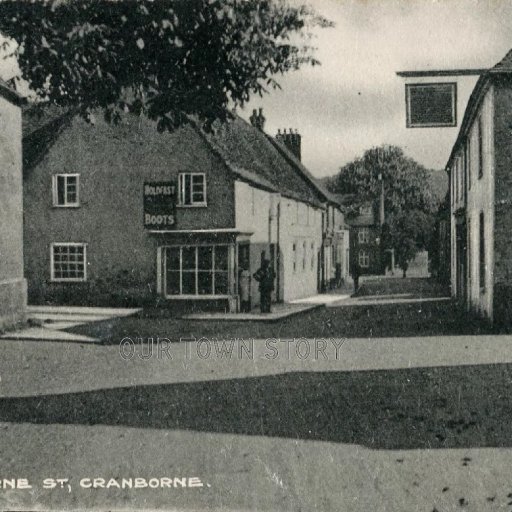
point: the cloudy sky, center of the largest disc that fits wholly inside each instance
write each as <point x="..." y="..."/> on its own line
<point x="355" y="100"/>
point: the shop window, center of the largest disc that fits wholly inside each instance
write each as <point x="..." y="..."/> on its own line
<point x="363" y="235"/>
<point x="197" y="270"/>
<point x="364" y="259"/>
<point x="65" y="190"/>
<point x="68" y="262"/>
<point x="192" y="187"/>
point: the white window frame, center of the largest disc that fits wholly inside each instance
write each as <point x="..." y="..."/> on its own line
<point x="363" y="235"/>
<point x="55" y="191"/>
<point x="52" y="263"/>
<point x="364" y="258"/>
<point x="181" y="189"/>
<point x="198" y="296"/>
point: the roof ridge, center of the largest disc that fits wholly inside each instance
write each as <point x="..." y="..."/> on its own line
<point x="505" y="62"/>
<point x="305" y="172"/>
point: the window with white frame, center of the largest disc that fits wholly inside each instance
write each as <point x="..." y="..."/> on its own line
<point x="364" y="259"/>
<point x="363" y="235"/>
<point x="197" y="270"/>
<point x="192" y="188"/>
<point x="68" y="262"/>
<point x="65" y="190"/>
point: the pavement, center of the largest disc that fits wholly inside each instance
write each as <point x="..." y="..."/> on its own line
<point x="51" y="322"/>
<point x="279" y="312"/>
<point x="239" y="472"/>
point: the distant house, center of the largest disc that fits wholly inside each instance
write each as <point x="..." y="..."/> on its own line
<point x="13" y="291"/>
<point x="123" y="214"/>
<point x="365" y="237"/>
<point x="480" y="198"/>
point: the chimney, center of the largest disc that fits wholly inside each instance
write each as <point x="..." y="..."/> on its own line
<point x="258" y="119"/>
<point x="291" y="140"/>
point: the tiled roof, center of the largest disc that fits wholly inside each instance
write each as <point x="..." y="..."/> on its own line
<point x="37" y="116"/>
<point x="10" y="94"/>
<point x="250" y="152"/>
<point x="504" y="66"/>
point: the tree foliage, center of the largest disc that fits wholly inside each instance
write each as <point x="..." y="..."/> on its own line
<point x="168" y="58"/>
<point x="409" y="201"/>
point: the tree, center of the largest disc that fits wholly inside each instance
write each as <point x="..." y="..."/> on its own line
<point x="410" y="231"/>
<point x="409" y="202"/>
<point x="168" y="58"/>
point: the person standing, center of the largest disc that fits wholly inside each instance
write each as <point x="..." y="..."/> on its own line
<point x="265" y="276"/>
<point x="356" y="272"/>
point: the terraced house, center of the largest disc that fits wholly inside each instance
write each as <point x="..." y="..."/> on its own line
<point x="123" y="214"/>
<point x="480" y="175"/>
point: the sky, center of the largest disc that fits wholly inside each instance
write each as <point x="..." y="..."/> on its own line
<point x="354" y="100"/>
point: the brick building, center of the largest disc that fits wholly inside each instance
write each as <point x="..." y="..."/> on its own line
<point x="12" y="282"/>
<point x="123" y="214"/>
<point x="480" y="205"/>
<point x="365" y="237"/>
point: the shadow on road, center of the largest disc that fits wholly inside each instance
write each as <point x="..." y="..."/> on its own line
<point x="408" y="319"/>
<point x="450" y="407"/>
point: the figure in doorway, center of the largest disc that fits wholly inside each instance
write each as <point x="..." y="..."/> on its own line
<point x="245" y="290"/>
<point x="265" y="276"/>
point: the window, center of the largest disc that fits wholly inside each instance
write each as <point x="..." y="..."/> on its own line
<point x="469" y="248"/>
<point x="363" y="235"/>
<point x="312" y="255"/>
<point x="304" y="251"/>
<point x="68" y="262"/>
<point x="364" y="259"/>
<point x="468" y="162"/>
<point x="192" y="188"/>
<point x="480" y="149"/>
<point x="294" y="256"/>
<point x="65" y="190"/>
<point x="196" y="270"/>
<point x="431" y="105"/>
<point x="482" y="252"/>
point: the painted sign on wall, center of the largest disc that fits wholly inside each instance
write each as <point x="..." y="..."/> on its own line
<point x="159" y="205"/>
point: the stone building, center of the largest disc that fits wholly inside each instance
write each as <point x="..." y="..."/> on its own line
<point x="12" y="282"/>
<point x="480" y="204"/>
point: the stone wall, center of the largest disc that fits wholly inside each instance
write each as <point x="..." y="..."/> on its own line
<point x="12" y="283"/>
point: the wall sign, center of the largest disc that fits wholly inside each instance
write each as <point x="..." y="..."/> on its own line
<point x="431" y="105"/>
<point x="159" y="205"/>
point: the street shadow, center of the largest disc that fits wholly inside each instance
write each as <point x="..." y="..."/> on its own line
<point x="406" y="319"/>
<point x="423" y="408"/>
